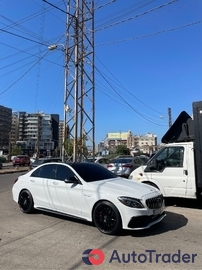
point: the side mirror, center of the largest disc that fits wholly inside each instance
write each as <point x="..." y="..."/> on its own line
<point x="151" y="165"/>
<point x="71" y="180"/>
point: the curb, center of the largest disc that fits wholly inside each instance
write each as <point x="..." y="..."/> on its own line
<point x="16" y="170"/>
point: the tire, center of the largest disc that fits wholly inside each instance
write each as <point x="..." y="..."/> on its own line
<point x="106" y="218"/>
<point x="26" y="202"/>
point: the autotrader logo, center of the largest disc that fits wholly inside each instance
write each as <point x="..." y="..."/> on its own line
<point x="93" y="256"/>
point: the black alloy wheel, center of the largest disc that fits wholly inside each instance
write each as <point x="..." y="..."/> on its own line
<point x="106" y="218"/>
<point x="26" y="202"/>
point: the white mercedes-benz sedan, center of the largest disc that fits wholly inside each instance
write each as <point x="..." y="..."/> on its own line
<point x="91" y="192"/>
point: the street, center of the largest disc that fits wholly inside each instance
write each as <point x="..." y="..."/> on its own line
<point x="46" y="241"/>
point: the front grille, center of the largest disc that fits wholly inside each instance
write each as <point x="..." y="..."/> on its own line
<point x="155" y="202"/>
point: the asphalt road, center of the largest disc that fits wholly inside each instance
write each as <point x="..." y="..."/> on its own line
<point x="45" y="241"/>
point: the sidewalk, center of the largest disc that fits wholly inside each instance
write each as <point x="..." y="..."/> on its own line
<point x="5" y="170"/>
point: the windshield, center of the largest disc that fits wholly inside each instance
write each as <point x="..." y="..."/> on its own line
<point x="92" y="172"/>
<point x="38" y="161"/>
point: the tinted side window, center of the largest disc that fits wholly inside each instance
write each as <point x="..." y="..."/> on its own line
<point x="168" y="157"/>
<point x="175" y="157"/>
<point x="92" y="172"/>
<point x="46" y="171"/>
<point x="63" y="172"/>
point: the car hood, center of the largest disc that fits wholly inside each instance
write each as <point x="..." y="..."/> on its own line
<point x="123" y="187"/>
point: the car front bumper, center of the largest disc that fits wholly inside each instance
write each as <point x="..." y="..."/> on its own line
<point x="144" y="222"/>
<point x="142" y="218"/>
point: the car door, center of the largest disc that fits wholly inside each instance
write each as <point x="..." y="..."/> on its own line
<point x="171" y="171"/>
<point x="38" y="185"/>
<point x="65" y="197"/>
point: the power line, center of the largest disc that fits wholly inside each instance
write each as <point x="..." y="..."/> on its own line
<point x="23" y="75"/>
<point x="129" y="105"/>
<point x="23" y="29"/>
<point x="123" y="87"/>
<point x="58" y="8"/>
<point x="138" y="15"/>
<point x="152" y="34"/>
<point x="106" y="91"/>
<point x="40" y="53"/>
<point x="106" y="4"/>
<point x="23" y="51"/>
<point x="124" y="12"/>
<point x="8" y="32"/>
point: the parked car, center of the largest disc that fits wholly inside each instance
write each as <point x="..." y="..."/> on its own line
<point x="12" y="158"/>
<point x="103" y="161"/>
<point x="32" y="159"/>
<point x="21" y="160"/>
<point x="144" y="158"/>
<point x="40" y="161"/>
<point x="124" y="166"/>
<point x="90" y="192"/>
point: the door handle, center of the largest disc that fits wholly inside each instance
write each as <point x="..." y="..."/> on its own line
<point x="32" y="180"/>
<point x="55" y="183"/>
<point x="185" y="172"/>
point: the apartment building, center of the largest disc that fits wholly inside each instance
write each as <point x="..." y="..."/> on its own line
<point x="135" y="143"/>
<point x="38" y="132"/>
<point x="61" y="131"/>
<point x="5" y="128"/>
<point x="114" y="139"/>
<point x="14" y="129"/>
<point x="145" y="143"/>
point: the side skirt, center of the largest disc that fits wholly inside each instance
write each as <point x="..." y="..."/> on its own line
<point x="59" y="213"/>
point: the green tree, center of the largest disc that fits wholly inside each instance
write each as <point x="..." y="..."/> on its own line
<point x="81" y="149"/>
<point x="122" y="150"/>
<point x="69" y="147"/>
<point x="16" y="151"/>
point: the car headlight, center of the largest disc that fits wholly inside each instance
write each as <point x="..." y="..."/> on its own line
<point x="131" y="202"/>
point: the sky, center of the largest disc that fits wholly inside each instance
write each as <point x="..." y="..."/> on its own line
<point x="148" y="58"/>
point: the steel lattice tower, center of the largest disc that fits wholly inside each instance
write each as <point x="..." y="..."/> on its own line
<point x="79" y="97"/>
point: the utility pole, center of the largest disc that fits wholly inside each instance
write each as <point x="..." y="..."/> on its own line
<point x="169" y="118"/>
<point x="80" y="96"/>
<point x="79" y="93"/>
